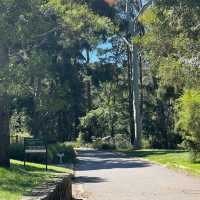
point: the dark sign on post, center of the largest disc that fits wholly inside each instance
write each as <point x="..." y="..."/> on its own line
<point x="35" y="146"/>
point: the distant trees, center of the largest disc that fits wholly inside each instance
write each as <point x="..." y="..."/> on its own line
<point x="171" y="40"/>
<point x="42" y="65"/>
<point x="189" y="120"/>
<point x="169" y="48"/>
<point x="47" y="78"/>
<point x="170" y="68"/>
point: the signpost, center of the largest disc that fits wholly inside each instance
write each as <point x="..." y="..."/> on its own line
<point x="35" y="146"/>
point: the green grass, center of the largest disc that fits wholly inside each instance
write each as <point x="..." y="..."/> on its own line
<point x="18" y="181"/>
<point x="171" y="158"/>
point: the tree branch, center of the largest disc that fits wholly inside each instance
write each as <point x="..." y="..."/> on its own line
<point x="142" y="10"/>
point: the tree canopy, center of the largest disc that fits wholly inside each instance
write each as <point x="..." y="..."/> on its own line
<point x="65" y="69"/>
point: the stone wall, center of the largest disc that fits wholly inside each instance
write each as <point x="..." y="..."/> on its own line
<point x="60" y="188"/>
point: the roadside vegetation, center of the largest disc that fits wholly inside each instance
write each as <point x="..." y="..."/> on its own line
<point x="76" y="73"/>
<point x="17" y="153"/>
<point x="175" y="159"/>
<point x="18" y="181"/>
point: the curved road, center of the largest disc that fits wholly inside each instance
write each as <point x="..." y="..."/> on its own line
<point x="111" y="176"/>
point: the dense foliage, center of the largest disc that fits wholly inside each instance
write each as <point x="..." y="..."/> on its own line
<point x="171" y="48"/>
<point x="65" y="70"/>
<point x="189" y="120"/>
<point x="17" y="153"/>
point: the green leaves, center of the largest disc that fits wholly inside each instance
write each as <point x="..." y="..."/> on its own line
<point x="44" y="74"/>
<point x="79" y="23"/>
<point x="189" y="118"/>
<point x="149" y="17"/>
<point x="170" y="39"/>
<point x="170" y="47"/>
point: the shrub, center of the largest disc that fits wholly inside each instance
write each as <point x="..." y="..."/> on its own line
<point x="95" y="122"/>
<point x="81" y="140"/>
<point x="67" y="149"/>
<point x="122" y="141"/>
<point x="189" y="121"/>
<point x="52" y="153"/>
<point x="17" y="153"/>
<point x="146" y="144"/>
<point x="98" y="143"/>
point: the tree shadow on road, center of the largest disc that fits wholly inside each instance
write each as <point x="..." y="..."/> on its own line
<point x="88" y="179"/>
<point x="146" y="153"/>
<point x="96" y="160"/>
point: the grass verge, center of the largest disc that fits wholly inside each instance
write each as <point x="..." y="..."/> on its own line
<point x="18" y="181"/>
<point x="171" y="158"/>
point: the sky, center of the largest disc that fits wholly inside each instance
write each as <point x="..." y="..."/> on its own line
<point x="94" y="57"/>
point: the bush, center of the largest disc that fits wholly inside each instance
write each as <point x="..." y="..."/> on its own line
<point x="95" y="122"/>
<point x="122" y="141"/>
<point x="146" y="144"/>
<point x="67" y="149"/>
<point x="189" y="121"/>
<point x="17" y="153"/>
<point x="98" y="143"/>
<point x="81" y="140"/>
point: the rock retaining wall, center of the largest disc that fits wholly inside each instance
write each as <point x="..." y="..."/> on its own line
<point x="60" y="188"/>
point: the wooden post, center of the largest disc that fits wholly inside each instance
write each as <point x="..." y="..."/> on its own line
<point x="46" y="157"/>
<point x="24" y="155"/>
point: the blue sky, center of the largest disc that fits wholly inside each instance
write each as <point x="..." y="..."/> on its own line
<point x="94" y="57"/>
<point x="94" y="54"/>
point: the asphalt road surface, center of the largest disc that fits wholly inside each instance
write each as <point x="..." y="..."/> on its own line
<point x="111" y="176"/>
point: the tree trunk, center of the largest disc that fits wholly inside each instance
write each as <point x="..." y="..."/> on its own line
<point x="88" y="95"/>
<point x="136" y="99"/>
<point x="130" y="97"/>
<point x="36" y="125"/>
<point x="4" y="116"/>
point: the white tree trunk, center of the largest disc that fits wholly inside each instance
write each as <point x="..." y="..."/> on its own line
<point x="136" y="98"/>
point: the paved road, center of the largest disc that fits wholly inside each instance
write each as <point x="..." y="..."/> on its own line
<point x="109" y="176"/>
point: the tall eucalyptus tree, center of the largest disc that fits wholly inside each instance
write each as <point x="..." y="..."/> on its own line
<point x="133" y="9"/>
